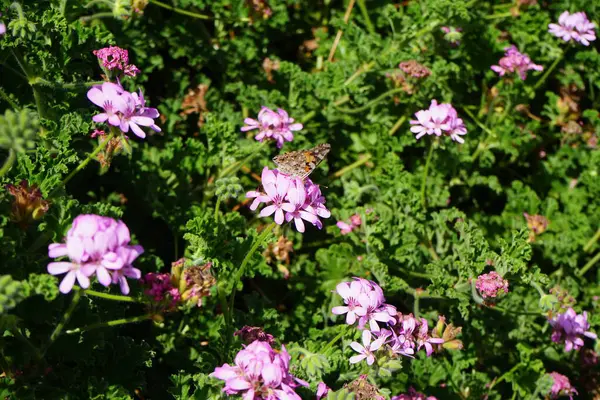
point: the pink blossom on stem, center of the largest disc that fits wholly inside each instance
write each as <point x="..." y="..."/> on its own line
<point x="569" y="327"/>
<point x="491" y="285"/>
<point x="366" y="349"/>
<point x="273" y="125"/>
<point x="575" y="27"/>
<point x="95" y="245"/>
<point x="114" y="57"/>
<point x="346" y="228"/>
<point x="515" y="61"/>
<point x="350" y="292"/>
<point x="561" y="386"/>
<point x="437" y="120"/>
<point x="322" y="390"/>
<point x="412" y="394"/>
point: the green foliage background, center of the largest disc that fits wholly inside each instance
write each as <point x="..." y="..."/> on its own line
<point x="516" y="159"/>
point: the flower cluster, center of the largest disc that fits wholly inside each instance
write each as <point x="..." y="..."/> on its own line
<point x="569" y="327"/>
<point x="414" y="69"/>
<point x="114" y="57"/>
<point x="95" y="245"/>
<point x="413" y="395"/>
<point x="402" y="334"/>
<point x="491" y="285"/>
<point x="184" y="285"/>
<point x="290" y="199"/>
<point x="561" y="386"/>
<point x="249" y="334"/>
<point x="272" y="125"/>
<point x="123" y="109"/>
<point x="347" y="227"/>
<point x="537" y="225"/>
<point x="515" y="61"/>
<point x="438" y="119"/>
<point x="260" y="372"/>
<point x="575" y="27"/>
<point x="452" y="35"/>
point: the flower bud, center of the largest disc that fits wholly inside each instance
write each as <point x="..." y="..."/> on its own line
<point x="28" y="205"/>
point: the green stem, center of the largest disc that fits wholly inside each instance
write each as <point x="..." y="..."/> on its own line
<point x="12" y="156"/>
<point x="179" y="10"/>
<point x="416" y="274"/>
<point x="365" y="13"/>
<point x="350" y="167"/>
<point x="416" y="308"/>
<point x="7" y="98"/>
<point x="65" y="86"/>
<point x="548" y="72"/>
<point x="217" y="209"/>
<point x="589" y="265"/>
<point x="85" y="162"/>
<point x="108" y="296"/>
<point x="508" y="311"/>
<point x="240" y="273"/>
<point x="105" y="14"/>
<point x="478" y="122"/>
<point x="498" y="16"/>
<point x="362" y="69"/>
<point x="397" y="125"/>
<point x="308" y="116"/>
<point x="371" y="103"/>
<point x="538" y="288"/>
<point x="588" y="245"/>
<point x="334" y="340"/>
<point x="234" y="167"/>
<point x="424" y="179"/>
<point x="65" y="319"/>
<point x="114" y="322"/>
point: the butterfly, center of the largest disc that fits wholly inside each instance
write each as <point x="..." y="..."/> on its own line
<point x="301" y="163"/>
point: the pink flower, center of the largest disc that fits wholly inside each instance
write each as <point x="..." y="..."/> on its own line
<point x="98" y="132"/>
<point x="575" y="27"/>
<point x="346" y="228"/>
<point x="114" y="57"/>
<point x="290" y="199"/>
<point x="95" y="245"/>
<point x="424" y="340"/>
<point x="437" y="120"/>
<point x="515" y="61"/>
<point x="259" y="372"/>
<point x="108" y="97"/>
<point x="350" y="292"/>
<point x="570" y="327"/>
<point x="491" y="285"/>
<point x="322" y="390"/>
<point x="135" y="113"/>
<point x="561" y="386"/>
<point x="273" y="125"/>
<point x="366" y="349"/>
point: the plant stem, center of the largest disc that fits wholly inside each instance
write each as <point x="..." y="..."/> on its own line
<point x="363" y="68"/>
<point x="365" y="13"/>
<point x="108" y="296"/>
<point x="424" y="179"/>
<point x="538" y="288"/>
<point x="179" y="10"/>
<point x="7" y="98"/>
<point x="548" y="71"/>
<point x="217" y="209"/>
<point x="371" y="103"/>
<point x="588" y="245"/>
<point x="12" y="156"/>
<point x="334" y="340"/>
<point x="350" y="167"/>
<point x="65" y="319"/>
<point x="85" y="162"/>
<point x="339" y="33"/>
<point x="416" y="308"/>
<point x="66" y="86"/>
<point x="589" y="265"/>
<point x="240" y="273"/>
<point x="114" y="322"/>
<point x="479" y="123"/>
<point x="498" y="16"/>
<point x="397" y="125"/>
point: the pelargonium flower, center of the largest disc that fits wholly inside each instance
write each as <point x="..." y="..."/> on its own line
<point x="2" y="27"/>
<point x="123" y="109"/>
<point x="273" y="125"/>
<point x="366" y="349"/>
<point x="290" y="199"/>
<point x="575" y="27"/>
<point x="437" y="120"/>
<point x="413" y="395"/>
<point x="561" y="386"/>
<point x="249" y="334"/>
<point x="491" y="284"/>
<point x="160" y="288"/>
<point x="260" y="372"/>
<point x="569" y="327"/>
<point x="346" y="228"/>
<point x="95" y="245"/>
<point x="114" y="57"/>
<point x="322" y="390"/>
<point x="515" y="61"/>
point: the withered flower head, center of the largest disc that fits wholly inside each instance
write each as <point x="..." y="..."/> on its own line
<point x="115" y="145"/>
<point x="363" y="390"/>
<point x="28" y="205"/>
<point x="279" y="251"/>
<point x="565" y="300"/>
<point x="537" y="224"/>
<point x="139" y="5"/>
<point x="195" y="103"/>
<point x="414" y="69"/>
<point x="193" y="282"/>
<point x="269" y="66"/>
<point x="448" y="332"/>
<point x="249" y="334"/>
<point x="258" y="9"/>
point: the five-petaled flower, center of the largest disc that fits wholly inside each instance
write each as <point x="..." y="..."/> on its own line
<point x="273" y="125"/>
<point x="575" y="27"/>
<point x="437" y="120"/>
<point x="515" y="61"/>
<point x="366" y="349"/>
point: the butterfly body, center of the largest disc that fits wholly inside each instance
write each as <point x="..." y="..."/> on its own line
<point x="301" y="163"/>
